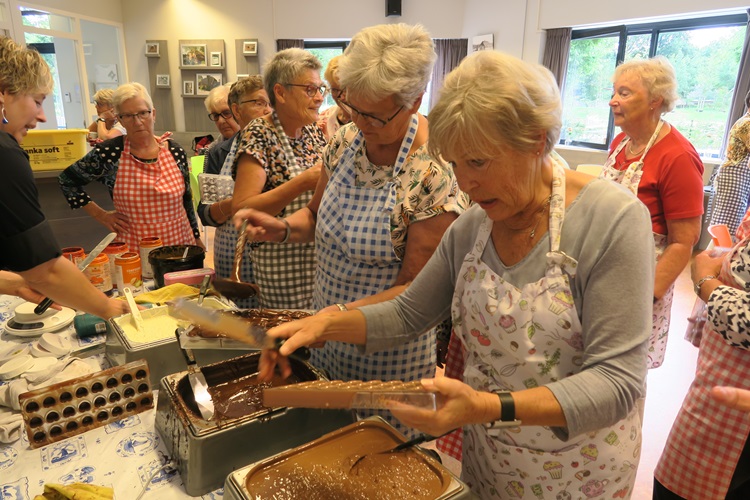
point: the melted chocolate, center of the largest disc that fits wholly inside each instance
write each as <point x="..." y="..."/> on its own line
<point x="243" y="397"/>
<point x="265" y="318"/>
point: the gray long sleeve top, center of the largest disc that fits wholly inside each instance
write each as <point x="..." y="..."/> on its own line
<point x="608" y="231"/>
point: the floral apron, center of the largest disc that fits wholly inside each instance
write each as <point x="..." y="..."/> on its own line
<point x="356" y="259"/>
<point x="151" y="195"/>
<point x="518" y="338"/>
<point x="707" y="438"/>
<point x="285" y="273"/>
<point x="630" y="178"/>
<point x="225" y="241"/>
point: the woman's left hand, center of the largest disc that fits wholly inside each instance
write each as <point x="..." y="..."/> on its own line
<point x="458" y="405"/>
<point x="705" y="265"/>
<point x="304" y="332"/>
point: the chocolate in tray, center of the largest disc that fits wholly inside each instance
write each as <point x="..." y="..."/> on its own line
<point x="265" y="318"/>
<point x="67" y="408"/>
<point x="352" y="394"/>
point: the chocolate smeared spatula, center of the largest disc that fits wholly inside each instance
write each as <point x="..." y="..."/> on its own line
<point x="234" y="288"/>
<point x="197" y="382"/>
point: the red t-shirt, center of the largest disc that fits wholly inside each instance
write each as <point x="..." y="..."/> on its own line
<point x="671" y="186"/>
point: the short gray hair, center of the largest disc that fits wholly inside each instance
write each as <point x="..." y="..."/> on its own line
<point x="103" y="97"/>
<point x="495" y="102"/>
<point x="216" y="96"/>
<point x="657" y="75"/>
<point x="388" y="60"/>
<point x="129" y="91"/>
<point x="246" y="85"/>
<point x="285" y="66"/>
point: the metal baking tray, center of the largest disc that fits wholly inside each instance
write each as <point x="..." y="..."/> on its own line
<point x="326" y="461"/>
<point x="207" y="450"/>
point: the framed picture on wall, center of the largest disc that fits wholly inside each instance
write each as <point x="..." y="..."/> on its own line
<point x="193" y="55"/>
<point x="162" y="81"/>
<point x="152" y="49"/>
<point x="188" y="87"/>
<point x="204" y="82"/>
<point x="250" y="47"/>
<point x="482" y="42"/>
<point x="216" y="59"/>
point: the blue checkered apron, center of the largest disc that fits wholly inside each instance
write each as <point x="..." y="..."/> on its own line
<point x="225" y="239"/>
<point x="356" y="259"/>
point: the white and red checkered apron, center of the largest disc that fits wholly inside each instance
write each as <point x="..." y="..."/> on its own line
<point x="630" y="178"/>
<point x="151" y="196"/>
<point x="707" y="438"/>
<point x="519" y="338"/>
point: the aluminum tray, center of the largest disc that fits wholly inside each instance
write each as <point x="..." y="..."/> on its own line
<point x="207" y="450"/>
<point x="318" y="452"/>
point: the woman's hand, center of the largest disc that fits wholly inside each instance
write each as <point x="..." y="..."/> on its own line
<point x="114" y="221"/>
<point x="260" y="225"/>
<point x="311" y="175"/>
<point x="704" y="265"/>
<point x="739" y="399"/>
<point x="13" y="284"/>
<point x="304" y="332"/>
<point x="458" y="405"/>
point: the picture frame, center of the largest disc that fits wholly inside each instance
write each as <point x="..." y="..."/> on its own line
<point x="205" y="82"/>
<point x="188" y="87"/>
<point x="162" y="81"/>
<point x="193" y="55"/>
<point x="483" y="42"/>
<point x="240" y="76"/>
<point x="250" y="47"/>
<point x="215" y="60"/>
<point x="152" y="49"/>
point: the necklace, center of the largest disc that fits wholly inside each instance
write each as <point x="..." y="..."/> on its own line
<point x="543" y="209"/>
<point x="630" y="149"/>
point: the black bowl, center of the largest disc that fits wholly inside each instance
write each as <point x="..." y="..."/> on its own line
<point x="169" y="259"/>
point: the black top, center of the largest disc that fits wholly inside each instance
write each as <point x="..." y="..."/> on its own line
<point x="26" y="237"/>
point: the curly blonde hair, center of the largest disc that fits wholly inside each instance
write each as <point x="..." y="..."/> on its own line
<point x="23" y="71"/>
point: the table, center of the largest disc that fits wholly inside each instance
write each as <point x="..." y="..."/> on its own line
<point x="122" y="455"/>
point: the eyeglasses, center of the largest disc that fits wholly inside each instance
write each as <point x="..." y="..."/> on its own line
<point x="337" y="93"/>
<point x="373" y="121"/>
<point x="310" y="90"/>
<point x="130" y="117"/>
<point x="257" y="103"/>
<point x="226" y="114"/>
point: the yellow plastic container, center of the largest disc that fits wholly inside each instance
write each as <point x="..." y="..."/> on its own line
<point x="54" y="149"/>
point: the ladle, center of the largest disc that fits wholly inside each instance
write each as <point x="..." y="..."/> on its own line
<point x="234" y="288"/>
<point x="406" y="445"/>
<point x="197" y="381"/>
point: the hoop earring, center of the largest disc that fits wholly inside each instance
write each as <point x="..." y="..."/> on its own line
<point x="5" y="120"/>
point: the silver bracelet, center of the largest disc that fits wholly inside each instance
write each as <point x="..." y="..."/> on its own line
<point x="288" y="231"/>
<point x="342" y="307"/>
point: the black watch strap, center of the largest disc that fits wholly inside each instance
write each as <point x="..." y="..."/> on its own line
<point x="507" y="412"/>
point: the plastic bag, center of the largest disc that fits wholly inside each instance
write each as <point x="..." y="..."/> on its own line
<point x="696" y="322"/>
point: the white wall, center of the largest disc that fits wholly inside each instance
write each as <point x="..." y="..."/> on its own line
<point x="109" y="10"/>
<point x="505" y="20"/>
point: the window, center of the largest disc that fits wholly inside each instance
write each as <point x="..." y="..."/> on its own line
<point x="704" y="52"/>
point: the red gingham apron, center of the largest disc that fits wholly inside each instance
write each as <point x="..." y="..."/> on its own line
<point x="150" y="195"/>
<point x="707" y="438"/>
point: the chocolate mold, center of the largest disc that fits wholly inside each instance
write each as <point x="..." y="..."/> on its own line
<point x="68" y="408"/>
<point x="374" y="394"/>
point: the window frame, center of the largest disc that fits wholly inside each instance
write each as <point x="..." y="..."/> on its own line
<point x="655" y="29"/>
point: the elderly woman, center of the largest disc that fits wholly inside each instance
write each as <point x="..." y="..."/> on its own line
<point x="706" y="454"/>
<point x="148" y="179"/>
<point x="106" y="125"/>
<point x="219" y="112"/>
<point x="654" y="161"/>
<point x="732" y="183"/>
<point x="334" y="117"/>
<point x="277" y="169"/>
<point x="382" y="203"/>
<point x="247" y="100"/>
<point x="31" y="261"/>
<point x="533" y="276"/>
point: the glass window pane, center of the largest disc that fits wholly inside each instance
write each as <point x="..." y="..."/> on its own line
<point x="706" y="62"/>
<point x="45" y="20"/>
<point x="588" y="87"/>
<point x="638" y="46"/>
<point x="325" y="54"/>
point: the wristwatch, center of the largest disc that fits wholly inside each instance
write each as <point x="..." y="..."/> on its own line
<point x="507" y="412"/>
<point x="700" y="282"/>
<point x="100" y="119"/>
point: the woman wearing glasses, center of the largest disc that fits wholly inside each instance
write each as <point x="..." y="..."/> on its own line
<point x="382" y="204"/>
<point x="334" y="117"/>
<point x="148" y="179"/>
<point x="219" y="113"/>
<point x="247" y="101"/>
<point x="277" y="169"/>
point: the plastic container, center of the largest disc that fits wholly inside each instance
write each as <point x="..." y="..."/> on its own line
<point x="74" y="254"/>
<point x="128" y="272"/>
<point x="54" y="149"/>
<point x="145" y="247"/>
<point x="87" y="325"/>
<point x="114" y="250"/>
<point x="99" y="274"/>
<point x="170" y="259"/>
<point x="190" y="277"/>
